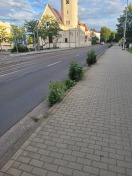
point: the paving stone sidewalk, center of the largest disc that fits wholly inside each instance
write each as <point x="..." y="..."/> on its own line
<point x="90" y="131"/>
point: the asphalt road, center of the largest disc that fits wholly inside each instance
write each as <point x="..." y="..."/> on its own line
<point x="24" y="80"/>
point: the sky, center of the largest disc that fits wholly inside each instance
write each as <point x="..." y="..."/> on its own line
<point x="94" y="13"/>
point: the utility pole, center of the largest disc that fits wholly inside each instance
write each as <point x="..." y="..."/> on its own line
<point x="34" y="40"/>
<point x="38" y="44"/>
<point x="69" y="38"/>
<point x="16" y="43"/>
<point x="125" y="25"/>
<point x="75" y="37"/>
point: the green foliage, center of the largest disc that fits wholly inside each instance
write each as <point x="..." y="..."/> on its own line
<point x="128" y="41"/>
<point x="110" y="45"/>
<point x="94" y="40"/>
<point x="18" y="32"/>
<point x="30" y="26"/>
<point x="130" y="50"/>
<point x="35" y="119"/>
<point x="49" y="28"/>
<point x="56" y="92"/>
<point x="30" y="39"/>
<point x="20" y="49"/>
<point x="91" y="57"/>
<point x="4" y="36"/>
<point x="69" y="83"/>
<point x="120" y="25"/>
<point x="76" y="71"/>
<point x="105" y="34"/>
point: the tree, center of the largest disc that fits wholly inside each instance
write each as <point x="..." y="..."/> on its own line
<point x="93" y="29"/>
<point x="94" y="40"/>
<point x="30" y="40"/>
<point x="18" y="33"/>
<point x="105" y="34"/>
<point x="121" y="22"/>
<point x="31" y="27"/>
<point x="49" y="28"/>
<point x="112" y="36"/>
<point x="4" y="36"/>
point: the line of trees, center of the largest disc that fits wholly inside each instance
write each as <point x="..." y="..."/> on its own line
<point x="107" y="35"/>
<point x="47" y="28"/>
<point x="121" y="24"/>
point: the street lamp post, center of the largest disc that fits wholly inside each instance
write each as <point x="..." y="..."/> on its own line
<point x="125" y="25"/>
<point x="16" y="42"/>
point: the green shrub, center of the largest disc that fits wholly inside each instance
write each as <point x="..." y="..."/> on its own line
<point x="110" y="45"/>
<point x="76" y="71"/>
<point x="21" y="49"/>
<point x="56" y="92"/>
<point x="91" y="57"/>
<point x="69" y="83"/>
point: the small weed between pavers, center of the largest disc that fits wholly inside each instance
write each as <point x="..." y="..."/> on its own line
<point x="35" y="119"/>
<point x="130" y="50"/>
<point x="110" y="45"/>
<point x="57" y="89"/>
<point x="46" y="116"/>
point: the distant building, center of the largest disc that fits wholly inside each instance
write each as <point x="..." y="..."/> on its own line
<point x="95" y="34"/>
<point x="6" y="45"/>
<point x="74" y="33"/>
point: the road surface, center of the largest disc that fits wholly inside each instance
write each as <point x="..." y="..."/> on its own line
<point x="24" y="80"/>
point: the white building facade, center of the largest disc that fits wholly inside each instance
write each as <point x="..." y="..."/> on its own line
<point x="74" y="33"/>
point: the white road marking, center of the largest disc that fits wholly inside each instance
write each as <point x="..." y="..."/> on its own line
<point x="27" y="68"/>
<point x="77" y="55"/>
<point x="53" y="64"/>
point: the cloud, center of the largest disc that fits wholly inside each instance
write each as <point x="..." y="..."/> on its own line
<point x="95" y="13"/>
<point x="16" y="12"/>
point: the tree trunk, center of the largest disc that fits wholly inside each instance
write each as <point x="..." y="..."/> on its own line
<point x="49" y="42"/>
<point x="1" y="46"/>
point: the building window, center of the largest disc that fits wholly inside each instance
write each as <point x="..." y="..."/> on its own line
<point x="67" y="12"/>
<point x="48" y="23"/>
<point x="67" y="2"/>
<point x="67" y="22"/>
<point x="66" y="40"/>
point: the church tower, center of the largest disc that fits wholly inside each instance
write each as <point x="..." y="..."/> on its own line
<point x="69" y="10"/>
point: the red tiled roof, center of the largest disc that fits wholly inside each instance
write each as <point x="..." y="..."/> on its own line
<point x="59" y="15"/>
<point x="82" y="24"/>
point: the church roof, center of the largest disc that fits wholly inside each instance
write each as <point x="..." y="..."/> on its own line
<point x="59" y="16"/>
<point x="56" y="12"/>
<point x="82" y="24"/>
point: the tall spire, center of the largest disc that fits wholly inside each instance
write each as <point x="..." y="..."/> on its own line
<point x="69" y="10"/>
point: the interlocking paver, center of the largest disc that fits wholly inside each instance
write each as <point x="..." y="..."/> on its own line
<point x="89" y="132"/>
<point x="39" y="171"/>
<point x="25" y="167"/>
<point x="65" y="171"/>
